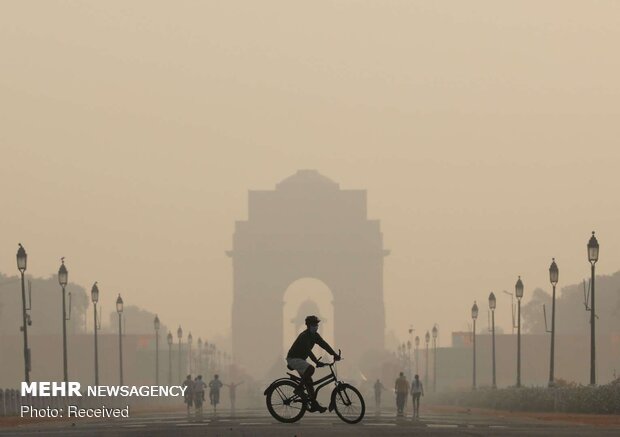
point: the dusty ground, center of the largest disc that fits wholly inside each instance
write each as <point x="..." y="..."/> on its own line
<point x="586" y="419"/>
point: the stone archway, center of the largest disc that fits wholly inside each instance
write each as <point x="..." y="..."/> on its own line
<point x="306" y="227"/>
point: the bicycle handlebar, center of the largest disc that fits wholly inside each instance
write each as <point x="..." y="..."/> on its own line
<point x="321" y="364"/>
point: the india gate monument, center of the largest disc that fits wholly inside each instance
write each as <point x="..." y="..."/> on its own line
<point x="308" y="227"/>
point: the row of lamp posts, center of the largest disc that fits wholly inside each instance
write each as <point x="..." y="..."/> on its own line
<point x="593" y="252"/>
<point x="404" y="351"/>
<point x="63" y="277"/>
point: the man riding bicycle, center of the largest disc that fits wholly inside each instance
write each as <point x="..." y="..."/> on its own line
<point x="300" y="351"/>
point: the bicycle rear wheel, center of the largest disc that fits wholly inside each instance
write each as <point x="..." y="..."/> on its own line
<point x="349" y="403"/>
<point x="282" y="402"/>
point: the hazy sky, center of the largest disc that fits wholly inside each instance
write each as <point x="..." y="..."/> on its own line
<point x="486" y="134"/>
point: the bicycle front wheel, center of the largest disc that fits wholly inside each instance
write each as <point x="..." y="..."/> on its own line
<point x="283" y="404"/>
<point x="349" y="403"/>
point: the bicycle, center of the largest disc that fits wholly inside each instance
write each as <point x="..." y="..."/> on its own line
<point x="287" y="406"/>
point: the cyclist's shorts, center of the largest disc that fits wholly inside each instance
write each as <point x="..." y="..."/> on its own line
<point x="298" y="364"/>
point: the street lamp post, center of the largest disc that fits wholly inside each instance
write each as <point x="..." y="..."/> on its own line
<point x="94" y="294"/>
<point x="409" y="359"/>
<point x="474" y="316"/>
<point x="169" y="338"/>
<point x="417" y="355"/>
<point x="553" y="278"/>
<point x="63" y="277"/>
<point x="199" y="371"/>
<point x="190" y="340"/>
<point x="593" y="258"/>
<point x="119" y="310"/>
<point x="22" y="258"/>
<point x="156" y="325"/>
<point x="179" y="336"/>
<point x="519" y="294"/>
<point x="435" y="358"/>
<point x="492" y="304"/>
<point x="427" y="338"/>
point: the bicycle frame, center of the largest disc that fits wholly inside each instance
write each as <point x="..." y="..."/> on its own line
<point x="322" y="382"/>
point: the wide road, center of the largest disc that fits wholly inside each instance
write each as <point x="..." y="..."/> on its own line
<point x="257" y="423"/>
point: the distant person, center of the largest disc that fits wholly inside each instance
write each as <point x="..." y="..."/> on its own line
<point x="232" y="392"/>
<point x="378" y="389"/>
<point x="401" y="387"/>
<point x="417" y="390"/>
<point x="199" y="395"/>
<point x="189" y="392"/>
<point x="214" y="391"/>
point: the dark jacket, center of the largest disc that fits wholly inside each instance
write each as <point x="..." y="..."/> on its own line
<point x="302" y="347"/>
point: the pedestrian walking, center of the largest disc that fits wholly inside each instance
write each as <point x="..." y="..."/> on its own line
<point x="188" y="397"/>
<point x="199" y="395"/>
<point x="401" y="387"/>
<point x="378" y="390"/>
<point x="214" y="392"/>
<point x="417" y="390"/>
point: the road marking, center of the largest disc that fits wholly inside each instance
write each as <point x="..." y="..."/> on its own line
<point x="441" y="425"/>
<point x="379" y="424"/>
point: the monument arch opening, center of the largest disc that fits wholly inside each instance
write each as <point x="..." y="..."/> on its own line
<point x="304" y="297"/>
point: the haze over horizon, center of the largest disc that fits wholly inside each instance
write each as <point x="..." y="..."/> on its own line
<point x="485" y="135"/>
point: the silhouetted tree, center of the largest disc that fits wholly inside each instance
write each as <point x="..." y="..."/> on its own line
<point x="46" y="303"/>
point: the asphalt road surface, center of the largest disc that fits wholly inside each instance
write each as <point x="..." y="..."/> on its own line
<point x="251" y="423"/>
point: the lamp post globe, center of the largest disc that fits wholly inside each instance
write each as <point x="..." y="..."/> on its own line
<point x="593" y="249"/>
<point x="492" y="301"/>
<point x="180" y="333"/>
<point x="417" y="341"/>
<point x="169" y="338"/>
<point x="554" y="273"/>
<point x="22" y="258"/>
<point x="474" y="311"/>
<point x="156" y="323"/>
<point x="63" y="274"/>
<point x="119" y="304"/>
<point x="519" y="288"/>
<point x="94" y="293"/>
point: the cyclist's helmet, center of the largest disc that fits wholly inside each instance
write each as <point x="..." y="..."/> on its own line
<point x="312" y="320"/>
